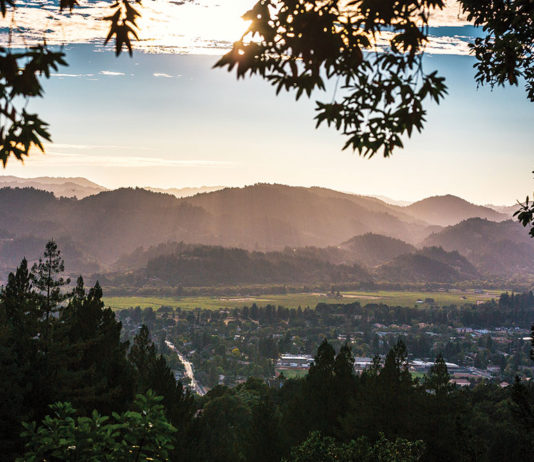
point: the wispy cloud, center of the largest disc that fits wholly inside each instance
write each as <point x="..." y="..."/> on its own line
<point x="72" y="159"/>
<point x="162" y="74"/>
<point x="72" y="75"/>
<point x="111" y="73"/>
<point x="181" y="26"/>
<point x="89" y="147"/>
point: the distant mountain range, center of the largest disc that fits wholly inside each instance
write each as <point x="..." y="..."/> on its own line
<point x="450" y="210"/>
<point x="129" y="228"/>
<point x="60" y="187"/>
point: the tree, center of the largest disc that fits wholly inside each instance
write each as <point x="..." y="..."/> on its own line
<point x="137" y="435"/>
<point x="153" y="373"/>
<point x="326" y="449"/>
<point x="20" y="130"/>
<point x="19" y="359"/>
<point x="297" y="45"/>
<point x="88" y="356"/>
<point x="438" y="378"/>
<point x="47" y="280"/>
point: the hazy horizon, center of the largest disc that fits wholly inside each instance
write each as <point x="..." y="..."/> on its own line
<point x="394" y="200"/>
<point x="165" y="118"/>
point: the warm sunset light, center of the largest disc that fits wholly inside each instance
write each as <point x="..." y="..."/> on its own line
<point x="303" y="237"/>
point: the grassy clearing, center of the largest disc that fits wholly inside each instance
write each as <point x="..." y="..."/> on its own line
<point x="392" y="298"/>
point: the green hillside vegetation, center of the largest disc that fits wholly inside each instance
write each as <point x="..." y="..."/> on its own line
<point x="424" y="267"/>
<point x="206" y="265"/>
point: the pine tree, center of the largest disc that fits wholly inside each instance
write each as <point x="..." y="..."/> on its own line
<point x="47" y="280"/>
<point x="438" y="378"/>
<point x="88" y="357"/>
<point x="20" y="363"/>
<point x="153" y="373"/>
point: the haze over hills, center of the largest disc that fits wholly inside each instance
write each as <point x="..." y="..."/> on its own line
<point x="374" y="249"/>
<point x="266" y="217"/>
<point x="112" y="229"/>
<point x="431" y="264"/>
<point x="185" y="192"/>
<point x="60" y="187"/>
<point x="503" y="248"/>
<point x="450" y="210"/>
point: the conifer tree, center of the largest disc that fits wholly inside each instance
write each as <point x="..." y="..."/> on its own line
<point x="88" y="356"/>
<point x="20" y="364"/>
<point x="438" y="378"/>
<point x="47" y="279"/>
<point x="153" y="373"/>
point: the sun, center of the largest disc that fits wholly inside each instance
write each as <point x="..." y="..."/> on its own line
<point x="192" y="27"/>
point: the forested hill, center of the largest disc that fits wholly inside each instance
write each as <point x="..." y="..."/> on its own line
<point x="186" y="265"/>
<point x="102" y="228"/>
<point x="274" y="216"/>
<point x="450" y="210"/>
<point x="374" y="249"/>
<point x="206" y="265"/>
<point x="264" y="217"/>
<point x="430" y="264"/>
<point x="494" y="248"/>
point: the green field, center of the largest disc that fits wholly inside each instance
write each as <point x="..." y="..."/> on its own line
<point x="393" y="298"/>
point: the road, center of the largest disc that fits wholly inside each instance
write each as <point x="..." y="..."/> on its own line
<point x="195" y="386"/>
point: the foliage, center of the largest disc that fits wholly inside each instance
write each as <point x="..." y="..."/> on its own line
<point x="325" y="449"/>
<point x="525" y="215"/>
<point x="19" y="78"/>
<point x="21" y="71"/>
<point x="505" y="53"/>
<point x="296" y="45"/>
<point x="140" y="435"/>
<point x="47" y="280"/>
<point x="374" y="49"/>
<point x="67" y="347"/>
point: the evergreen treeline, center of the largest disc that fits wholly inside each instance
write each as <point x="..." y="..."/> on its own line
<point x="66" y="348"/>
<point x="59" y="346"/>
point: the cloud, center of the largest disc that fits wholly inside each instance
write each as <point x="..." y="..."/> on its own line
<point x="162" y="74"/>
<point x="72" y="75"/>
<point x="87" y="147"/>
<point x="72" y="159"/>
<point x="111" y="73"/>
<point x="179" y="26"/>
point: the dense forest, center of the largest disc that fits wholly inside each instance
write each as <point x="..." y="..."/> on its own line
<point x="68" y="369"/>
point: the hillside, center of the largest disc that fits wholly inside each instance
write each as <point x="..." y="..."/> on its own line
<point x="309" y="221"/>
<point x="428" y="265"/>
<point x="494" y="248"/>
<point x="373" y="249"/>
<point x="269" y="217"/>
<point x="190" y="265"/>
<point x="265" y="217"/>
<point x="60" y="187"/>
<point x="450" y="210"/>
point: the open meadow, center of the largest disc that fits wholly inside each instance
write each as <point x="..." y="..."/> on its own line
<point x="392" y="298"/>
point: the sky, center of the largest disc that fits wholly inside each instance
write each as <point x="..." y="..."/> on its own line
<point x="165" y="118"/>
